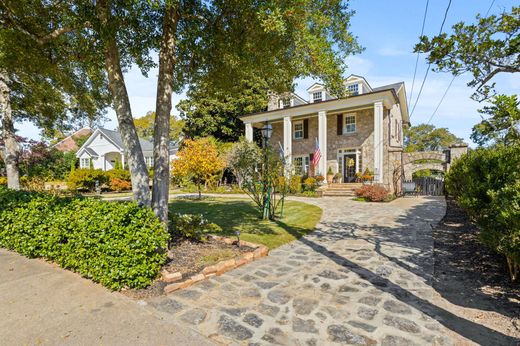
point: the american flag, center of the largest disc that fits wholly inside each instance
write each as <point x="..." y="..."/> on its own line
<point x="317" y="154"/>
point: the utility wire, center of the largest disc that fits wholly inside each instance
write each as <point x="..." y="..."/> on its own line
<point x="442" y="99"/>
<point x="417" y="59"/>
<point x="490" y="6"/>
<point x="429" y="64"/>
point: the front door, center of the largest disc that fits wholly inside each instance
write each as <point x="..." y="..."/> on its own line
<point x="349" y="168"/>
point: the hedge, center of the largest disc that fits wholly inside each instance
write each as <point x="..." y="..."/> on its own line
<point x="486" y="183"/>
<point x="116" y="244"/>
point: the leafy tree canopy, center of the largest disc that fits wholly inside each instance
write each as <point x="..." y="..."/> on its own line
<point x="485" y="49"/>
<point x="144" y="126"/>
<point x="426" y="137"/>
<point x="215" y="113"/>
<point x="503" y="123"/>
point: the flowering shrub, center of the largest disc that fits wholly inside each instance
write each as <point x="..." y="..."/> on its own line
<point x="3" y="181"/>
<point x="319" y="179"/>
<point x="295" y="184"/>
<point x="373" y="193"/>
<point x="310" y="184"/>
<point x="191" y="226"/>
<point x="85" y="179"/>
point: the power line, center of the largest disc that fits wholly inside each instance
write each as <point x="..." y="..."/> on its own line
<point x="490" y="6"/>
<point x="440" y="102"/>
<point x="429" y="64"/>
<point x="417" y="59"/>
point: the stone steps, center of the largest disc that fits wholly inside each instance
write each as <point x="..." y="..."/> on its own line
<point x="337" y="189"/>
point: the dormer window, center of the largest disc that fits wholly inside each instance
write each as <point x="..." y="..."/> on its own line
<point x="286" y="102"/>
<point x="353" y="89"/>
<point x="317" y="96"/>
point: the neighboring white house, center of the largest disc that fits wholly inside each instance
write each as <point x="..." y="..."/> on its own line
<point x="105" y="148"/>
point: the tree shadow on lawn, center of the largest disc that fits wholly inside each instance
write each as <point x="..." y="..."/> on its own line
<point x="413" y="231"/>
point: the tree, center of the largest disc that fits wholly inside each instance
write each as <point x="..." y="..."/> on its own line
<point x="485" y="49"/>
<point x="221" y="42"/>
<point x="216" y="113"/>
<point x="425" y="137"/>
<point x="144" y="126"/>
<point x="503" y="123"/>
<point x="43" y="75"/>
<point x="198" y="161"/>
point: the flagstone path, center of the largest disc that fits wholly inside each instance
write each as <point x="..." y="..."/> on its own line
<point x="363" y="277"/>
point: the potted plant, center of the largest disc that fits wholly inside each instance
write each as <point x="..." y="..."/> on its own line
<point x="337" y="178"/>
<point x="330" y="175"/>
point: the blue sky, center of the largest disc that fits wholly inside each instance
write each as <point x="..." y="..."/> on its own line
<point x="388" y="30"/>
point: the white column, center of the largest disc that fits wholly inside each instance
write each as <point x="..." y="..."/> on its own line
<point x="322" y="142"/>
<point x="123" y="160"/>
<point x="249" y="132"/>
<point x="378" y="141"/>
<point x="287" y="139"/>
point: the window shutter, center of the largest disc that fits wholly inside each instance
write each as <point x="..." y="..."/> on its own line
<point x="340" y="124"/>
<point x="305" y="128"/>
<point x="311" y="157"/>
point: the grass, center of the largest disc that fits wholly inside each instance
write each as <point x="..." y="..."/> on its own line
<point x="233" y="214"/>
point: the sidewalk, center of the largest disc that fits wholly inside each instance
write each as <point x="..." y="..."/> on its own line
<point x="42" y="304"/>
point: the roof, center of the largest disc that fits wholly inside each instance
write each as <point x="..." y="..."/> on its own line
<point x="69" y="143"/>
<point x="91" y="152"/>
<point x="395" y="86"/>
<point x="115" y="137"/>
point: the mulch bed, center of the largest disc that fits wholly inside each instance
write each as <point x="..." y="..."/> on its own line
<point x="469" y="274"/>
<point x="190" y="257"/>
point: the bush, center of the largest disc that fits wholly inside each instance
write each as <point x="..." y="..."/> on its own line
<point x="85" y="179"/>
<point x="119" y="185"/>
<point x="373" y="193"/>
<point x="310" y="184"/>
<point x="120" y="174"/>
<point x="116" y="244"/>
<point x="295" y="184"/>
<point x="191" y="226"/>
<point x="320" y="179"/>
<point x="486" y="183"/>
<point x="3" y="181"/>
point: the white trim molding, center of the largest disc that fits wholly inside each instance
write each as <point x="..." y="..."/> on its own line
<point x="378" y="141"/>
<point x="249" y="132"/>
<point x="322" y="142"/>
<point x="287" y="140"/>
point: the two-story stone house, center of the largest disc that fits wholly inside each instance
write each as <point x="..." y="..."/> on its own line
<point x="363" y="130"/>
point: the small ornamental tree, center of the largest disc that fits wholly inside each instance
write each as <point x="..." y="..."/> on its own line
<point x="198" y="161"/>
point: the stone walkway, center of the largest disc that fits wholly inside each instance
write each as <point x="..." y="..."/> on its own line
<point x="363" y="277"/>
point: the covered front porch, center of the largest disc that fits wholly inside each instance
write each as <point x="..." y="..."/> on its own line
<point x="348" y="132"/>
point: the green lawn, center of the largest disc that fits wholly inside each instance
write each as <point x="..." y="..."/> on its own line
<point x="234" y="214"/>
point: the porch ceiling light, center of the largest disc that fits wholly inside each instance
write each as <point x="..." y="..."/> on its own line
<point x="267" y="131"/>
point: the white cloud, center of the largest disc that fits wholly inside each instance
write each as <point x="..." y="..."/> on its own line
<point x="358" y="65"/>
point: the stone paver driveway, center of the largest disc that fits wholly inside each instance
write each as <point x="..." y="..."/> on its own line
<point x="362" y="278"/>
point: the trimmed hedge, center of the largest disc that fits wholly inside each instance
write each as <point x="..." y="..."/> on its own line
<point x="116" y="244"/>
<point x="486" y="183"/>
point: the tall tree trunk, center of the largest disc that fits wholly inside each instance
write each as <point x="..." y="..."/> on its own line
<point x="11" y="150"/>
<point x="163" y="109"/>
<point x="116" y="84"/>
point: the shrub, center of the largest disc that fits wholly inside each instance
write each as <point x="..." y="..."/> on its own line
<point x="119" y="185"/>
<point x="486" y="183"/>
<point x="191" y="226"/>
<point x="3" y="181"/>
<point x="85" y="179"/>
<point x="373" y="193"/>
<point x="295" y="184"/>
<point x="116" y="244"/>
<point x="310" y="184"/>
<point x="120" y="174"/>
<point x="320" y="179"/>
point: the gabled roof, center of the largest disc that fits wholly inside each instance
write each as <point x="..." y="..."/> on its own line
<point x="115" y="137"/>
<point x="314" y="86"/>
<point x="91" y="152"/>
<point x="69" y="143"/>
<point x="395" y="86"/>
<point x="360" y="77"/>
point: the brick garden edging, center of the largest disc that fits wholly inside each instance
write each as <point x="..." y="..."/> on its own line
<point x="176" y="281"/>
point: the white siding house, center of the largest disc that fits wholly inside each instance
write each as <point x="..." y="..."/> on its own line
<point x="105" y="148"/>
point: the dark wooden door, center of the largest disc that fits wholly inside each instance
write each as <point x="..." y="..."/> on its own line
<point x="349" y="168"/>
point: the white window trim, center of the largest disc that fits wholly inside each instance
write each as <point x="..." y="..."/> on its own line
<point x="345" y="151"/>
<point x="306" y="162"/>
<point x="354" y="84"/>
<point x="345" y="116"/>
<point x="82" y="160"/>
<point x="315" y="98"/>
<point x="298" y="122"/>
<point x="149" y="161"/>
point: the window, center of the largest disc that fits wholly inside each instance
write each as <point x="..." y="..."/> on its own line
<point x="84" y="163"/>
<point x="298" y="130"/>
<point x="301" y="164"/>
<point x="350" y="123"/>
<point x="353" y="89"/>
<point x="149" y="161"/>
<point x="286" y="102"/>
<point x="317" y="96"/>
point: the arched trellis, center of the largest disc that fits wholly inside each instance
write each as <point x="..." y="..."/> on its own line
<point x="412" y="162"/>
